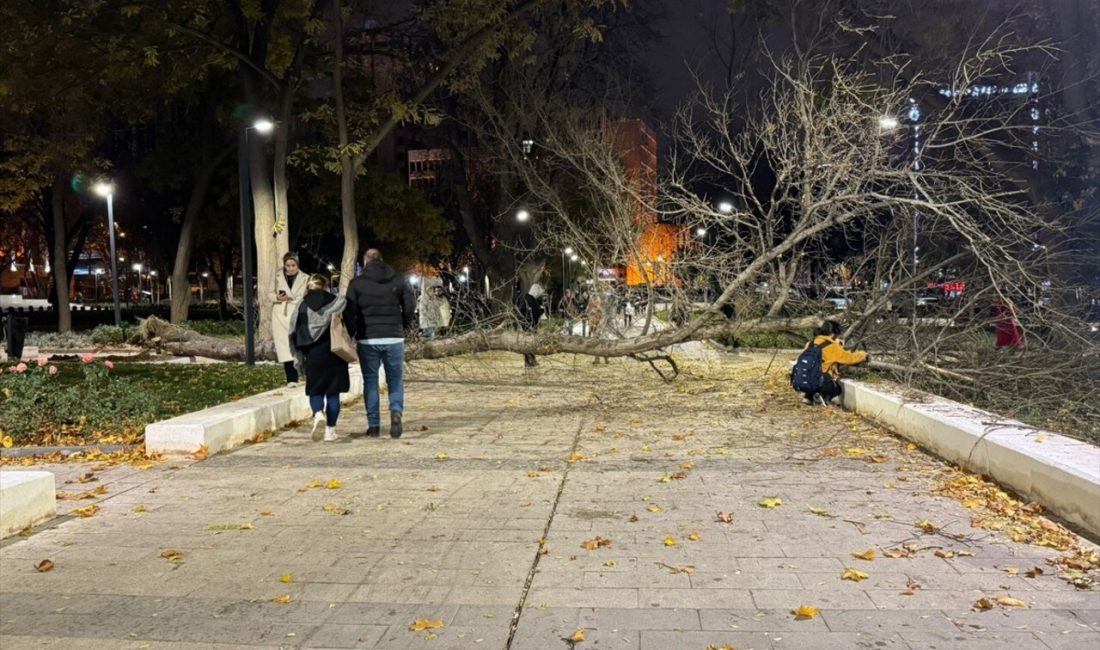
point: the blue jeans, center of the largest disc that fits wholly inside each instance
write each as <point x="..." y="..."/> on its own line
<point x="330" y="404"/>
<point x="392" y="358"/>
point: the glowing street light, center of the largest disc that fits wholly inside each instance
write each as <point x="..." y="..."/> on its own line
<point x="700" y="231"/>
<point x="887" y="122"/>
<point x="466" y="270"/>
<point x="568" y="250"/>
<point x="107" y="191"/>
<point x="523" y="216"/>
<point x="263" y="126"/>
<point x="725" y="207"/>
<point x="574" y="257"/>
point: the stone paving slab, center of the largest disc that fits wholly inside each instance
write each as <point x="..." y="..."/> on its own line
<point x="477" y="517"/>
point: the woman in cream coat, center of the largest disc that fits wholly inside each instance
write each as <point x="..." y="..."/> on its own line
<point x="290" y="288"/>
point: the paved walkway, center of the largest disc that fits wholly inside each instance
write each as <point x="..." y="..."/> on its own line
<point x="477" y="517"/>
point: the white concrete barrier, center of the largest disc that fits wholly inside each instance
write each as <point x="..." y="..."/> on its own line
<point x="229" y="425"/>
<point x="1059" y="472"/>
<point x="26" y="498"/>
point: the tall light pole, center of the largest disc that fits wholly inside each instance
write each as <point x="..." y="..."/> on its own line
<point x="244" y="182"/>
<point x="107" y="191"/>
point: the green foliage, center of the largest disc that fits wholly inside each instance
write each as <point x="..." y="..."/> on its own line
<point x="104" y="335"/>
<point x="219" y="328"/>
<point x="54" y="340"/>
<point x="89" y="401"/>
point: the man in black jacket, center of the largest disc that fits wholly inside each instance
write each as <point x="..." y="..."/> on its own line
<point x="380" y="309"/>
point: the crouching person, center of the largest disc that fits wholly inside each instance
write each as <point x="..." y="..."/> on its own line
<point x="816" y="373"/>
<point x="311" y="341"/>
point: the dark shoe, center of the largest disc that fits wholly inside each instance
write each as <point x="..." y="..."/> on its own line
<point x="396" y="429"/>
<point x="374" y="432"/>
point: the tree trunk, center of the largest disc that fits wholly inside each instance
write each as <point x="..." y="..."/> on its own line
<point x="348" y="162"/>
<point x="60" y="275"/>
<point x="282" y="143"/>
<point x="266" y="242"/>
<point x="181" y="297"/>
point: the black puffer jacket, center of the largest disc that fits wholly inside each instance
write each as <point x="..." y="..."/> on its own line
<point x="381" y="304"/>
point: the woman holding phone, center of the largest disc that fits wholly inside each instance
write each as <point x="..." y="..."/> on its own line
<point x="290" y="288"/>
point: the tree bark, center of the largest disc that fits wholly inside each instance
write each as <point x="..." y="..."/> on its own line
<point x="60" y="275"/>
<point x="348" y="161"/>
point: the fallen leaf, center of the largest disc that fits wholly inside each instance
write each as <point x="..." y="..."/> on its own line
<point x="724" y="517"/>
<point x="772" y="502"/>
<point x="678" y="476"/>
<point x="609" y="563"/>
<point x="433" y="488"/>
<point x="201" y="453"/>
<point x="868" y="555"/>
<point x="878" y="458"/>
<point x="687" y="465"/>
<point x="315" y="483"/>
<point x="1010" y="602"/>
<point x="266" y="513"/>
<point x="334" y="484"/>
<point x="911" y="586"/>
<point x="723" y="647"/>
<point x="896" y="553"/>
<point x="911" y="447"/>
<point x="139" y="508"/>
<point x="282" y="600"/>
<point x="670" y="541"/>
<point x="533" y="475"/>
<point x="947" y="555"/>
<point x="925" y="525"/>
<point x="285" y="579"/>
<point x="578" y="637"/>
<point x="1034" y="572"/>
<point x="821" y="512"/>
<point x="693" y="536"/>
<point x="665" y="479"/>
<point x="854" y="575"/>
<point x="86" y="511"/>
<point x="633" y="519"/>
<point x="653" y="507"/>
<point x="575" y="457"/>
<point x="172" y="554"/>
<point x="805" y="613"/>
<point x="965" y="553"/>
<point x="6" y="442"/>
<point x="595" y="543"/>
<point x="441" y="456"/>
<point x="423" y="427"/>
<point x="983" y="604"/>
<point x="421" y="624"/>
<point x="1011" y="570"/>
<point x="43" y="566"/>
<point x="679" y="437"/>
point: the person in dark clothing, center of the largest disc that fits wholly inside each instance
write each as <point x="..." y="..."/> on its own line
<point x="311" y="343"/>
<point x="530" y="315"/>
<point x="380" y="308"/>
<point x="833" y="355"/>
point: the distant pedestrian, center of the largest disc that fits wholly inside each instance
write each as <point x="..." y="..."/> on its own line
<point x="816" y="373"/>
<point x="1009" y="334"/>
<point x="381" y="306"/>
<point x="567" y="307"/>
<point x="628" y="314"/>
<point x="290" y="288"/>
<point x="311" y="341"/>
<point x="434" y="311"/>
<point x="530" y="315"/>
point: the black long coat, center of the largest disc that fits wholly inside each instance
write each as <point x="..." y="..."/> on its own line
<point x="326" y="373"/>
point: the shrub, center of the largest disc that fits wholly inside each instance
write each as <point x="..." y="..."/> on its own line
<point x="113" y="335"/>
<point x="68" y="340"/>
<point x="215" y="327"/>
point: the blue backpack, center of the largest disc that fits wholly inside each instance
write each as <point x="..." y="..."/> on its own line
<point x="807" y="374"/>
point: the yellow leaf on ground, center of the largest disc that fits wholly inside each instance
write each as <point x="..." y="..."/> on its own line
<point x="172" y="554"/>
<point x="653" y="507"/>
<point x="43" y="566"/>
<point x="441" y="456"/>
<point x="805" y="613"/>
<point x="266" y="513"/>
<point x="315" y="483"/>
<point x="854" y="575"/>
<point x="86" y="511"/>
<point x="6" y="442"/>
<point x="1011" y="570"/>
<point x="693" y="536"/>
<point x="577" y="637"/>
<point x="609" y="563"/>
<point x="925" y="525"/>
<point x="201" y="453"/>
<point x="911" y="447"/>
<point x="533" y="475"/>
<point x="664" y="479"/>
<point x="282" y="600"/>
<point x="421" y="624"/>
<point x="947" y="555"/>
<point x="687" y="465"/>
<point x="1010" y="602"/>
<point x="983" y="604"/>
<point x="285" y="579"/>
<point x="334" y="484"/>
<point x="595" y="543"/>
<point x="575" y="457"/>
<point x="868" y="555"/>
<point x="821" y="512"/>
<point x="772" y="502"/>
<point x="670" y="541"/>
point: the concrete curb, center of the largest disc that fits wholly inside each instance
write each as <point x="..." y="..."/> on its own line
<point x="1061" y="473"/>
<point x="26" y="498"/>
<point x="225" y="426"/>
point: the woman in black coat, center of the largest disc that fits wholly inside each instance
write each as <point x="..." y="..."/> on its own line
<point x="326" y="374"/>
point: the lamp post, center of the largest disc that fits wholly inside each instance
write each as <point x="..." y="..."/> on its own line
<point x="156" y="286"/>
<point x="202" y="288"/>
<point x="107" y="191"/>
<point x="244" y="182"/>
<point x="98" y="272"/>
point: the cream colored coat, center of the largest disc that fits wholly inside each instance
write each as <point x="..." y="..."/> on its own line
<point x="282" y="311"/>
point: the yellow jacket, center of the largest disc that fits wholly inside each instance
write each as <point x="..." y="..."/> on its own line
<point x="834" y="355"/>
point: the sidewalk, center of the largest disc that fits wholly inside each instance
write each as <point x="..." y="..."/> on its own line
<point x="445" y="524"/>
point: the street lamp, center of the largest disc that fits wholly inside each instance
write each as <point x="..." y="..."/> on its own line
<point x="262" y="126"/>
<point x="156" y="287"/>
<point x="523" y="216"/>
<point x="887" y="122"/>
<point x="725" y="207"/>
<point x="574" y="257"/>
<point x="98" y="272"/>
<point x="701" y="231"/>
<point x="107" y="191"/>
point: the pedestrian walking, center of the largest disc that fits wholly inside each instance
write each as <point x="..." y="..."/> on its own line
<point x="381" y="306"/>
<point x="290" y="288"/>
<point x="628" y="314"/>
<point x="311" y="342"/>
<point x="567" y="307"/>
<point x="434" y="311"/>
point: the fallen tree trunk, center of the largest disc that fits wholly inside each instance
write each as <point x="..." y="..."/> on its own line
<point x="163" y="336"/>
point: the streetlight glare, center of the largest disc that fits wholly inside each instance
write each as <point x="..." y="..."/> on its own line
<point x="725" y="207"/>
<point x="574" y="258"/>
<point x="568" y="250"/>
<point x="887" y="122"/>
<point x="263" y="125"/>
<point x="701" y="232"/>
<point x="137" y="267"/>
<point x="103" y="189"/>
<point x="523" y="216"/>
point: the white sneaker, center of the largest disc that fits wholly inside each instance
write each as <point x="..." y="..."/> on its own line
<point x="318" y="420"/>
<point x="330" y="434"/>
